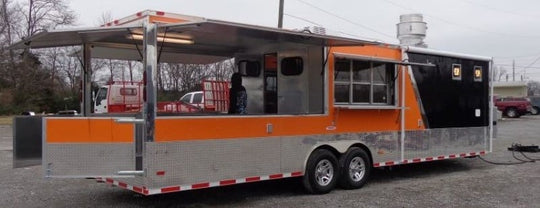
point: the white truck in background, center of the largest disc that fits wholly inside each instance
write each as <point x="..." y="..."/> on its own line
<point x="125" y="97"/>
<point x="119" y="97"/>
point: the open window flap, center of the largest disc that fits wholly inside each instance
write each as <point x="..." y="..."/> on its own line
<point x="206" y="41"/>
<point x="132" y="53"/>
<point x="73" y="37"/>
<point x="236" y="35"/>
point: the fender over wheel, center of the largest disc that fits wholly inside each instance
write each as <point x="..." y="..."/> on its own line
<point x="355" y="168"/>
<point x="322" y="171"/>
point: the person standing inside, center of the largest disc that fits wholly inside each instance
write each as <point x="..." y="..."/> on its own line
<point x="237" y="95"/>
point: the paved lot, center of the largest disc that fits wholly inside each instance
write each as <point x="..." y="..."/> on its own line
<point x="449" y="183"/>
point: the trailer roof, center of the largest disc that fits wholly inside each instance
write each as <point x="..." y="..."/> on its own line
<point x="209" y="41"/>
<point x="446" y="53"/>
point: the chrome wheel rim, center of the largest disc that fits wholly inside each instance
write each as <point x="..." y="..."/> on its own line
<point x="324" y="172"/>
<point x="357" y="169"/>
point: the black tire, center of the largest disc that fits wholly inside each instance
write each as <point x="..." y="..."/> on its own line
<point x="511" y="113"/>
<point x="322" y="172"/>
<point x="355" y="168"/>
<point x="535" y="110"/>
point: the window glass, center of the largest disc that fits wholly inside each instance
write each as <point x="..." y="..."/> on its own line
<point x="341" y="93"/>
<point x="249" y="68"/>
<point x="456" y="71"/>
<point x="197" y="98"/>
<point x="186" y="98"/>
<point x="342" y="70"/>
<point x="372" y="82"/>
<point x="380" y="94"/>
<point x="101" y="95"/>
<point x="128" y="91"/>
<point x="361" y="71"/>
<point x="361" y="93"/>
<point x="477" y="73"/>
<point x="271" y="83"/>
<point x="379" y="73"/>
<point x="292" y="66"/>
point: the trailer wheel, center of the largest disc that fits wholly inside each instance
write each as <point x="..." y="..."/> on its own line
<point x="356" y="168"/>
<point x="322" y="171"/>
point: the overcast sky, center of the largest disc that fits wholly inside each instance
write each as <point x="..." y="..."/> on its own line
<point x="502" y="29"/>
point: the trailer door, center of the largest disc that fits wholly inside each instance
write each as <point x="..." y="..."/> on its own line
<point x="87" y="147"/>
<point x="292" y="82"/>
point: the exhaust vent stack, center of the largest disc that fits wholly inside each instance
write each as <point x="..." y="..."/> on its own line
<point x="411" y="30"/>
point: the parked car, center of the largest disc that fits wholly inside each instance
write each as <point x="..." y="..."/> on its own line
<point x="535" y="102"/>
<point x="513" y="107"/>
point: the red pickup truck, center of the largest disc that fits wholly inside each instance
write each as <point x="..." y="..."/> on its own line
<point x="513" y="107"/>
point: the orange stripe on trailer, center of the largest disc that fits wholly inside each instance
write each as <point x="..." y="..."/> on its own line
<point x="87" y="131"/>
<point x="229" y="127"/>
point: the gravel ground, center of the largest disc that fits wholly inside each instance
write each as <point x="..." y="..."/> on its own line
<point x="448" y="183"/>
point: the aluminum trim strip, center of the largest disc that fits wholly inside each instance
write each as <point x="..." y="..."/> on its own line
<point x="445" y="53"/>
<point x="427" y="159"/>
<point x="176" y="188"/>
<point x="405" y="57"/>
<point x="378" y="59"/>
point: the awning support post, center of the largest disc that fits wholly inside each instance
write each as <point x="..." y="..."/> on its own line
<point x="86" y="76"/>
<point x="150" y="70"/>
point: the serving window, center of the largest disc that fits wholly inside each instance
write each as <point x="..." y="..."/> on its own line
<point x="364" y="83"/>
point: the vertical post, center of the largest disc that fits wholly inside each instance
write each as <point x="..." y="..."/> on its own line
<point x="491" y="107"/>
<point x="86" y="77"/>
<point x="280" y="18"/>
<point x="402" y="109"/>
<point x="514" y="70"/>
<point x="150" y="69"/>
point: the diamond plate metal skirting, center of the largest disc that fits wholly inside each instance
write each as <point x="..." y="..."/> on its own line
<point x="80" y="160"/>
<point x="192" y="162"/>
<point x="185" y="163"/>
<point x="445" y="141"/>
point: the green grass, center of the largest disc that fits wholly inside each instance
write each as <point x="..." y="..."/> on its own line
<point x="6" y="120"/>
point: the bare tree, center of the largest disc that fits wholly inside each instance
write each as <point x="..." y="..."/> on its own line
<point x="45" y="14"/>
<point x="222" y="70"/>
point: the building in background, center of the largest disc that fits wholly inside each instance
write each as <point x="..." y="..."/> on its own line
<point x="510" y="89"/>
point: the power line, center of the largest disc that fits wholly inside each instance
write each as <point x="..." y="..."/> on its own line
<point x="320" y="25"/>
<point x="345" y="19"/>
<point x="457" y="24"/>
<point x="509" y="65"/>
<point x="533" y="62"/>
<point x="515" y="57"/>
<point x="303" y="19"/>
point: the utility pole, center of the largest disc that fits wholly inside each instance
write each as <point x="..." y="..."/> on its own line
<point x="514" y="70"/>
<point x="280" y="18"/>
